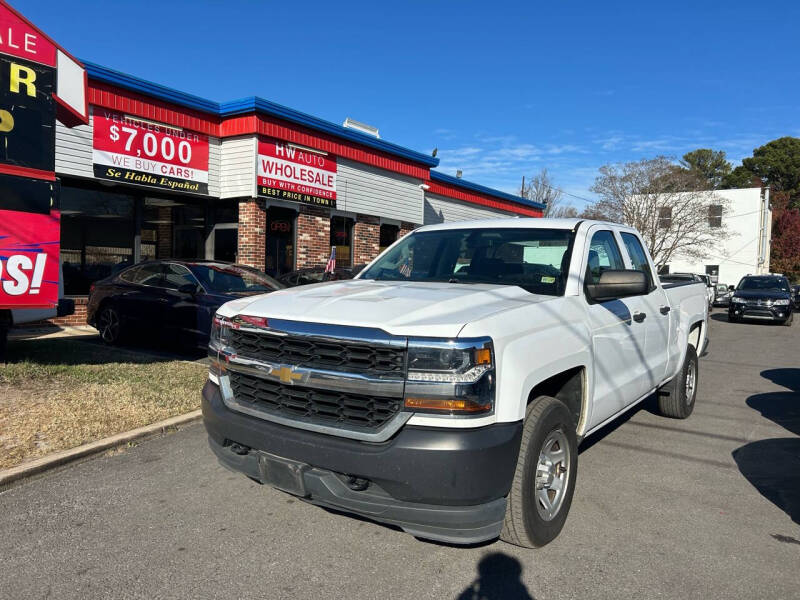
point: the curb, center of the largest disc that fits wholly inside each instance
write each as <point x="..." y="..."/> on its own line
<point x="62" y="457"/>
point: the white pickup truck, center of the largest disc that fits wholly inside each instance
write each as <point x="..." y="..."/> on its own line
<point x="446" y="388"/>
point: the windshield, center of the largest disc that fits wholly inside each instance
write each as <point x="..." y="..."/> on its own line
<point x="230" y="278"/>
<point x="536" y="260"/>
<point x="764" y="283"/>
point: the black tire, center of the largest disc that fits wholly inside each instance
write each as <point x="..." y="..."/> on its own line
<point x="675" y="399"/>
<point x="546" y="420"/>
<point x="788" y="322"/>
<point x="109" y="324"/>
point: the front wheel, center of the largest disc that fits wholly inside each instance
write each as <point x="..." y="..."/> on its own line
<point x="544" y="481"/>
<point x="788" y="322"/>
<point x="676" y="399"/>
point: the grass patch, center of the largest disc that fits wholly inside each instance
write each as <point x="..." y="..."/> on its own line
<point x="60" y="393"/>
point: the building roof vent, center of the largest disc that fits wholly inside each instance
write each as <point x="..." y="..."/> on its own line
<point x="362" y="127"/>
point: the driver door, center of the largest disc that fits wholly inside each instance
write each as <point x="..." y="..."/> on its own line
<point x="618" y="340"/>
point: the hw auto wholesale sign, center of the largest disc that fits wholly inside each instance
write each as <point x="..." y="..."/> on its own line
<point x="132" y="150"/>
<point x="33" y="70"/>
<point x="294" y="173"/>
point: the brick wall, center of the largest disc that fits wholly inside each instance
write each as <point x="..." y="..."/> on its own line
<point x="252" y="233"/>
<point x="366" y="239"/>
<point x="313" y="236"/>
<point x="405" y="228"/>
<point x="78" y="318"/>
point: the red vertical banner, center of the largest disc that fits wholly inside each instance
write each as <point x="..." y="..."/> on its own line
<point x="29" y="259"/>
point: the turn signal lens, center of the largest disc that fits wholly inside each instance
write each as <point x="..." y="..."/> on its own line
<point x="457" y="405"/>
<point x="483" y="356"/>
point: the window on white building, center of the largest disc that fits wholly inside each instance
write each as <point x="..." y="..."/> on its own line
<point x="715" y="215"/>
<point x="665" y="217"/>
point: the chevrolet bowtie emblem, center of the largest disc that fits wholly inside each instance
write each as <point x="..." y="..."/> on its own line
<point x="286" y="375"/>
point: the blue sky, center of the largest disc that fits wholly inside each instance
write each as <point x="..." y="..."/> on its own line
<point x="501" y="88"/>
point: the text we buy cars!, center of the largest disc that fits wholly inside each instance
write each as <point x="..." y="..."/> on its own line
<point x="445" y="389"/>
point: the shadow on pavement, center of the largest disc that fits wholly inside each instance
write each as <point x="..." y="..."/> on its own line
<point x="77" y="351"/>
<point x="498" y="578"/>
<point x="772" y="466"/>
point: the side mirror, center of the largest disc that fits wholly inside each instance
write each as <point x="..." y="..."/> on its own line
<point x="615" y="284"/>
<point x="731" y="288"/>
<point x="189" y="289"/>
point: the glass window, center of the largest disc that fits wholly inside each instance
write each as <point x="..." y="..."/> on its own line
<point x="177" y="275"/>
<point x="97" y="235"/>
<point x="342" y="239"/>
<point x="604" y="255"/>
<point x="638" y="255"/>
<point x="764" y="283"/>
<point x="664" y="217"/>
<point x="715" y="215"/>
<point x="388" y="236"/>
<point x="150" y="274"/>
<point x="219" y="277"/>
<point x="130" y="275"/>
<point x="533" y="259"/>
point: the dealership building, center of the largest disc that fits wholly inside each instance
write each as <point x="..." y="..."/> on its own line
<point x="158" y="173"/>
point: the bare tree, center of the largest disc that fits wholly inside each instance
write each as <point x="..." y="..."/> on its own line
<point x="669" y="206"/>
<point x="541" y="189"/>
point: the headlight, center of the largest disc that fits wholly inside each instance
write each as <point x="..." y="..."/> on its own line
<point x="450" y="376"/>
<point x="736" y="300"/>
<point x="219" y="344"/>
<point x="783" y="302"/>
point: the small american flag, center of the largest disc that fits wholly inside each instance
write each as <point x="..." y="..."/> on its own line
<point x="405" y="269"/>
<point x="331" y="266"/>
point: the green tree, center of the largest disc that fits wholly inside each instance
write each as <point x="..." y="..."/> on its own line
<point x="777" y="164"/>
<point x="709" y="165"/>
<point x="740" y="178"/>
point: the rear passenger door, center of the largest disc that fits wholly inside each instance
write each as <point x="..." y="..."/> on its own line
<point x="618" y="339"/>
<point x="139" y="297"/>
<point x="656" y="308"/>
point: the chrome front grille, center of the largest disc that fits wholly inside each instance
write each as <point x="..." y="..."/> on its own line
<point x="321" y="406"/>
<point x="321" y="353"/>
<point x="346" y="381"/>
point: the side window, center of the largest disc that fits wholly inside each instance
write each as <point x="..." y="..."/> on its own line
<point x="638" y="255"/>
<point x="149" y="274"/>
<point x="604" y="255"/>
<point x="130" y="275"/>
<point x="177" y="275"/>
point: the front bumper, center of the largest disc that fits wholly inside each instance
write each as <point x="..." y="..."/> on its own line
<point x="759" y="312"/>
<point x="443" y="484"/>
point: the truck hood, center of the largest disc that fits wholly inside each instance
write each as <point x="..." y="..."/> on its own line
<point x="400" y="308"/>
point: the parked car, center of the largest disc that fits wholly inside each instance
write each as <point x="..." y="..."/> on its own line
<point x="318" y="275"/>
<point x="723" y="294"/>
<point x="450" y="401"/>
<point x="173" y="299"/>
<point x="796" y="293"/>
<point x="762" y="297"/>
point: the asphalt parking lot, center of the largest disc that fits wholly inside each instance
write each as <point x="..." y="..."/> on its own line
<point x="703" y="508"/>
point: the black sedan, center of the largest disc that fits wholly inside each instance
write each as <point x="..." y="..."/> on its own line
<point x="171" y="299"/>
<point x="762" y="297"/>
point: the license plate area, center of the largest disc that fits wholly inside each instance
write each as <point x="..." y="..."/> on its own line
<point x="284" y="474"/>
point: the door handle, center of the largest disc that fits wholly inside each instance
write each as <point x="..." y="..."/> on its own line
<point x="639" y="316"/>
<point x="664" y="310"/>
